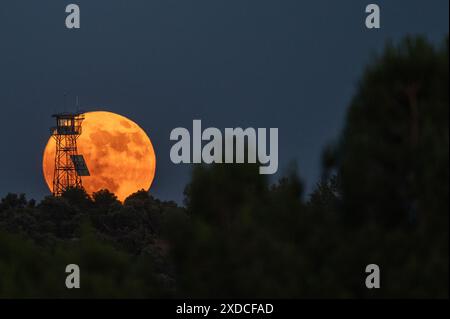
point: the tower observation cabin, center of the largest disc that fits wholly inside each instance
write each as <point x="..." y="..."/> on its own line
<point x="69" y="165"/>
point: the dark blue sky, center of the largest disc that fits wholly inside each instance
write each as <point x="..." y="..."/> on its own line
<point x="281" y="63"/>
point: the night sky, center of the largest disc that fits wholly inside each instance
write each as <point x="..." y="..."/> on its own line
<point x="289" y="64"/>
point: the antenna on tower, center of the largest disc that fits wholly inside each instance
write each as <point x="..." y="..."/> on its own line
<point x="76" y="103"/>
<point x="65" y="101"/>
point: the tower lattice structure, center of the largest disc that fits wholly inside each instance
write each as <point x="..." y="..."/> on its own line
<point x="66" y="133"/>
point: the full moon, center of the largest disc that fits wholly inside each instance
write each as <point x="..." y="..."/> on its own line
<point x="118" y="153"/>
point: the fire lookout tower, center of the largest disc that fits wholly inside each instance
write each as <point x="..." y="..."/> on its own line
<point x="69" y="165"/>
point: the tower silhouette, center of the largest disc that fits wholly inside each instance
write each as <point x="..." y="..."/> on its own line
<point x="69" y="165"/>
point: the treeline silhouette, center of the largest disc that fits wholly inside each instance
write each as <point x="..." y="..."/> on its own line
<point x="383" y="199"/>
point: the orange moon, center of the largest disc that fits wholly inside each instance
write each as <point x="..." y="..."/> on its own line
<point x="119" y="155"/>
